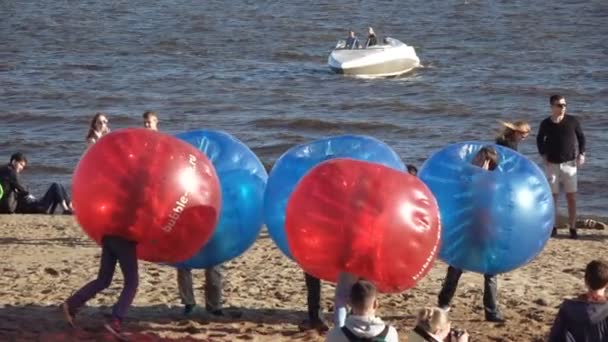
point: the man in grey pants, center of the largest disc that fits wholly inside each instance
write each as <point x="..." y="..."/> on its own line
<point x="213" y="290"/>
<point x="213" y="275"/>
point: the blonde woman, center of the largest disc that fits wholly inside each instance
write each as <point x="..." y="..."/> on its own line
<point x="98" y="128"/>
<point x="433" y="325"/>
<point x="513" y="133"/>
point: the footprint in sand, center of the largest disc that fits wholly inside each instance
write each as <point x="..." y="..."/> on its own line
<point x="574" y="271"/>
<point x="51" y="271"/>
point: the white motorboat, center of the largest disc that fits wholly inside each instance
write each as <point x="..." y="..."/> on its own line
<point x="392" y="58"/>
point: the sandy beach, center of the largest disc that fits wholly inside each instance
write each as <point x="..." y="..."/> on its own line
<point x="43" y="259"/>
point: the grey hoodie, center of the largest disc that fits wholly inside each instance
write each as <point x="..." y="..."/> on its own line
<point x="581" y="320"/>
<point x="362" y="326"/>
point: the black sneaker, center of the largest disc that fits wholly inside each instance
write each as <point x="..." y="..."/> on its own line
<point x="573" y="234"/>
<point x="188" y="309"/>
<point x="498" y="318"/>
<point x="316" y="324"/>
<point x="227" y="314"/>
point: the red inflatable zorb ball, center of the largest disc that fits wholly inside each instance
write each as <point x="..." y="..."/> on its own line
<point x="366" y="219"/>
<point x="147" y="187"/>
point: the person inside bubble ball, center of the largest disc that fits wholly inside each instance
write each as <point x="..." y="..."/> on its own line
<point x="114" y="249"/>
<point x="486" y="158"/>
<point x="213" y="275"/>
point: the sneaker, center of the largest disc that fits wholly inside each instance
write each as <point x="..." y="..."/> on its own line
<point x="497" y="318"/>
<point x="188" y="309"/>
<point x="224" y="313"/>
<point x="573" y="234"/>
<point x="114" y="328"/>
<point x="316" y="324"/>
<point x="68" y="315"/>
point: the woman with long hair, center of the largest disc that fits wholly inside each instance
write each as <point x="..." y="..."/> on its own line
<point x="98" y="128"/>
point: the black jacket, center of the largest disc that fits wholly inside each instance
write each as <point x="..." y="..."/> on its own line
<point x="13" y="189"/>
<point x="581" y="320"/>
<point x="503" y="141"/>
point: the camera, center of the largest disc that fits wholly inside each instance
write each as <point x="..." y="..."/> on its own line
<point x="456" y="332"/>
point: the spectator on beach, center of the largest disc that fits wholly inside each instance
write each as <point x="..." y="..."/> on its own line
<point x="486" y="158"/>
<point x="557" y="140"/>
<point x="433" y="325"/>
<point x="17" y="199"/>
<point x="412" y="170"/>
<point x="352" y="42"/>
<point x="585" y="318"/>
<point x="362" y="324"/>
<point x="512" y="134"/>
<point x="114" y="249"/>
<point x="150" y="120"/>
<point x="98" y="128"/>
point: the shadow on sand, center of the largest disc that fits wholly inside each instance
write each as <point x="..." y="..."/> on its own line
<point x="150" y="323"/>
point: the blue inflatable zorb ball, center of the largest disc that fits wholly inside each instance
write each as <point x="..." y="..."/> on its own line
<point x="492" y="221"/>
<point x="298" y="160"/>
<point x="243" y="180"/>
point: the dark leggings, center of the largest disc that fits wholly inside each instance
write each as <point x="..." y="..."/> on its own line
<point x="490" y="290"/>
<point x="52" y="198"/>
<point x="313" y="290"/>
<point x="113" y="249"/>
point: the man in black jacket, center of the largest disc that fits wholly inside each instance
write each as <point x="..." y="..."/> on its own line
<point x="585" y="318"/>
<point x="557" y="140"/>
<point x="16" y="197"/>
<point x="11" y="184"/>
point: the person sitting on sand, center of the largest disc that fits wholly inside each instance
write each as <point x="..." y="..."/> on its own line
<point x="433" y="325"/>
<point x="513" y="134"/>
<point x="114" y="249"/>
<point x="98" y="128"/>
<point x="585" y="318"/>
<point x="352" y="42"/>
<point x="372" y="40"/>
<point x="486" y="158"/>
<point x="150" y="120"/>
<point x="362" y="324"/>
<point x="17" y="199"/>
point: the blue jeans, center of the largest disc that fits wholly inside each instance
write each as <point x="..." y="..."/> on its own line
<point x="114" y="249"/>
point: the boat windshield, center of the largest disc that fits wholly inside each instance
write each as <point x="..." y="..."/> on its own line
<point x="386" y="42"/>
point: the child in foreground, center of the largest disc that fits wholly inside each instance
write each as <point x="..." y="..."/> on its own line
<point x="363" y="324"/>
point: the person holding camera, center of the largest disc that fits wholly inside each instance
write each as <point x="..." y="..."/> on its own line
<point x="434" y="326"/>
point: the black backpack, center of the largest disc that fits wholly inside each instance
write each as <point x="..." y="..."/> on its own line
<point x="381" y="337"/>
